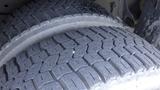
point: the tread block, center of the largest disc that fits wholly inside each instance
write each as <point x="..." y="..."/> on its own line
<point x="145" y="60"/>
<point x="47" y="43"/>
<point x="52" y="86"/>
<point x="61" y="38"/>
<point x="116" y="32"/>
<point x="64" y="60"/>
<point x="66" y="55"/>
<point x="55" y="50"/>
<point x="39" y="57"/>
<point x="119" y="42"/>
<point x="134" y="63"/>
<point x="106" y="33"/>
<point x="95" y="37"/>
<point x="28" y="86"/>
<point x="129" y="41"/>
<point x="149" y="47"/>
<point x="61" y="70"/>
<point x="77" y="63"/>
<point x="23" y="62"/>
<point x="138" y="42"/>
<point x="86" y="31"/>
<point x="74" y="34"/>
<point x="9" y="84"/>
<point x="99" y="31"/>
<point x="131" y="49"/>
<point x="106" y="71"/>
<point x="93" y="58"/>
<point x="41" y="16"/>
<point x="94" y="46"/>
<point x="69" y="44"/>
<point x="80" y="51"/>
<point x="12" y="32"/>
<point x="110" y="30"/>
<point x="90" y="76"/>
<point x="20" y="26"/>
<point x="153" y="58"/>
<point x="107" y="44"/>
<point x="33" y="71"/>
<point x="122" y="32"/>
<point x="2" y="76"/>
<point x="30" y="21"/>
<point x="91" y="34"/>
<point x="156" y="50"/>
<point x="49" y="63"/>
<point x="122" y="66"/>
<point x="83" y="41"/>
<point x="73" y="82"/>
<point x="120" y="51"/>
<point x="107" y="54"/>
<point x="142" y="49"/>
<point x="51" y="13"/>
<point x="157" y="55"/>
<point x="31" y="51"/>
<point x="11" y="69"/>
<point x="43" y="78"/>
<point x="19" y="80"/>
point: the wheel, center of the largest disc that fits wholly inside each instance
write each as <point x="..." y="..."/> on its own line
<point x="148" y="26"/>
<point x="41" y="18"/>
<point x="91" y="58"/>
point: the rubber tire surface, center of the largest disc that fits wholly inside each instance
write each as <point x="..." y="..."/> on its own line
<point x="28" y="22"/>
<point x="79" y="60"/>
<point x="149" y="23"/>
<point x="38" y="11"/>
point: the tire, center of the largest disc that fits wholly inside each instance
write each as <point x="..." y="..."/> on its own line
<point x="38" y="11"/>
<point x="26" y="25"/>
<point x="149" y="26"/>
<point x="91" y="58"/>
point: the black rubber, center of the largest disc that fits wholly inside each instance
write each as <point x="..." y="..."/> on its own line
<point x="38" y="11"/>
<point x="79" y="60"/>
<point x="89" y="56"/>
<point x="149" y="23"/>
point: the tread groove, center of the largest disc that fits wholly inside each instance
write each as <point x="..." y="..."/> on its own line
<point x="80" y="76"/>
<point x="99" y="73"/>
<point x="62" y="85"/>
<point x="5" y="72"/>
<point x="17" y="65"/>
<point x="36" y="88"/>
<point x="117" y="69"/>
